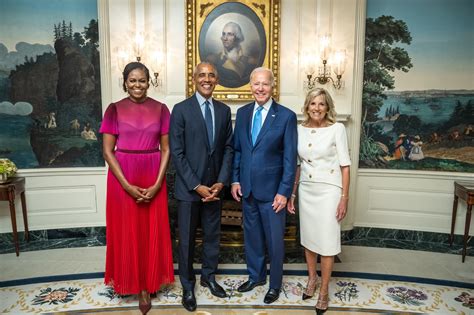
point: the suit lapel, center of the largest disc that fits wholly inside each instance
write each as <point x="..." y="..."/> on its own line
<point x="218" y="116"/>
<point x="271" y="116"/>
<point x="248" y="126"/>
<point x="196" y="112"/>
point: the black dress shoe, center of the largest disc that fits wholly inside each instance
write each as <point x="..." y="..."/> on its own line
<point x="214" y="287"/>
<point x="189" y="300"/>
<point x="249" y="285"/>
<point x="271" y="296"/>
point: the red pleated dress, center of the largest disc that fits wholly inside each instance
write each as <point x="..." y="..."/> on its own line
<point x="138" y="255"/>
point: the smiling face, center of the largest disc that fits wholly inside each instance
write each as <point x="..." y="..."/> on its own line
<point x="261" y="86"/>
<point x="205" y="79"/>
<point x="137" y="85"/>
<point x="318" y="109"/>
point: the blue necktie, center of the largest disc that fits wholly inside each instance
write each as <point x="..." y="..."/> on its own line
<point x="257" y="124"/>
<point x="209" y="124"/>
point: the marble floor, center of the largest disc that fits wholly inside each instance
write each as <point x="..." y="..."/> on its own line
<point x="378" y="263"/>
<point x="383" y="261"/>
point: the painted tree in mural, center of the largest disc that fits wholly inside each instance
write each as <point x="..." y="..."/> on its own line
<point x="382" y="57"/>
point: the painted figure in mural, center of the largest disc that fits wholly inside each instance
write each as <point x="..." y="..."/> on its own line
<point x="322" y="179"/>
<point x="416" y="153"/>
<point x="399" y="151"/>
<point x="74" y="126"/>
<point x="201" y="150"/>
<point x="88" y="133"/>
<point x="52" y="120"/>
<point x="232" y="64"/>
<point x="264" y="166"/>
<point x="468" y="131"/>
<point x="135" y="135"/>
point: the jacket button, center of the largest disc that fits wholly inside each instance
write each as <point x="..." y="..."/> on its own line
<point x="309" y="145"/>
<point x="332" y="171"/>
<point x="310" y="176"/>
<point x="309" y="161"/>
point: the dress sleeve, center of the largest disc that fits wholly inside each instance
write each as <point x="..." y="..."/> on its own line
<point x="341" y="146"/>
<point x="109" y="122"/>
<point x="165" y="120"/>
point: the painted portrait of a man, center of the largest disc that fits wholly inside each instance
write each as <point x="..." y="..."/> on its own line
<point x="233" y="39"/>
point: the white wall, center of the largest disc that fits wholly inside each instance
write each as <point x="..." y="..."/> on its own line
<point x="75" y="197"/>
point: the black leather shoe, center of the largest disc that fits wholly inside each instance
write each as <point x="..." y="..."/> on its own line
<point x="215" y="288"/>
<point x="271" y="296"/>
<point x="249" y="285"/>
<point x="189" y="300"/>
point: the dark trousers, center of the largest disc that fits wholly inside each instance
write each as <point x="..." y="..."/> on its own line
<point x="189" y="216"/>
<point x="264" y="228"/>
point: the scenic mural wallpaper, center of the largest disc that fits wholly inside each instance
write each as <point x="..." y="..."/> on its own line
<point x="418" y="97"/>
<point x="50" y="103"/>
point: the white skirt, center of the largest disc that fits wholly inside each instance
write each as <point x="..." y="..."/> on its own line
<point x="319" y="230"/>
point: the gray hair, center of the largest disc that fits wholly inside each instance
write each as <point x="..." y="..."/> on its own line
<point x="263" y="69"/>
<point x="205" y="63"/>
<point x="237" y="31"/>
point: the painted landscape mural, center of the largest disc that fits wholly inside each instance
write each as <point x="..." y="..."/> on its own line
<point x="418" y="97"/>
<point x="50" y="103"/>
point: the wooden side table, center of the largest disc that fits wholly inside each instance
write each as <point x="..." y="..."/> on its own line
<point x="8" y="191"/>
<point x="465" y="191"/>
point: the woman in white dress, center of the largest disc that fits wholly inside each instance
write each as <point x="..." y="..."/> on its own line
<point x="322" y="181"/>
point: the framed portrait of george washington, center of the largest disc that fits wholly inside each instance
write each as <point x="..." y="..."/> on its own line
<point x="236" y="37"/>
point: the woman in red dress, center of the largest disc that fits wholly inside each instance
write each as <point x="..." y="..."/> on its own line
<point x="136" y="148"/>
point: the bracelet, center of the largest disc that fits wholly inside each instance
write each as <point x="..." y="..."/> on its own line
<point x="344" y="196"/>
<point x="293" y="196"/>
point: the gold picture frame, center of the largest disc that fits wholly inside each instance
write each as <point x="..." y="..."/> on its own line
<point x="236" y="36"/>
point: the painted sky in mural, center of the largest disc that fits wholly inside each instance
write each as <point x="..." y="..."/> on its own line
<point x="443" y="42"/>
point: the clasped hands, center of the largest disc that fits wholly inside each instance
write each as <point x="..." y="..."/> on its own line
<point x="142" y="194"/>
<point x="209" y="194"/>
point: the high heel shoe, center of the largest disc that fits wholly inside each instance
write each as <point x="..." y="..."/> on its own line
<point x="144" y="302"/>
<point x="311" y="286"/>
<point x="322" y="305"/>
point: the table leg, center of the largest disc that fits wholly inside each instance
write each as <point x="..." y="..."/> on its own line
<point x="466" y="232"/>
<point x="25" y="216"/>
<point x="453" y="219"/>
<point x="11" y="200"/>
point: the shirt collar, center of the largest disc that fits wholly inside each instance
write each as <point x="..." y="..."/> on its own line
<point x="202" y="100"/>
<point x="266" y="106"/>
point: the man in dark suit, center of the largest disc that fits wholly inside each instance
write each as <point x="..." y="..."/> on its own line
<point x="201" y="151"/>
<point x="265" y="142"/>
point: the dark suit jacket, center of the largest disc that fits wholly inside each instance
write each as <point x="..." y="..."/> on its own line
<point x="269" y="167"/>
<point x="191" y="155"/>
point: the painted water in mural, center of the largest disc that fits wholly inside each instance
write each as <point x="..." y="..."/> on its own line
<point x="418" y="96"/>
<point x="50" y="102"/>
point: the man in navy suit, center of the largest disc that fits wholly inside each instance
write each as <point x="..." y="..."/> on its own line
<point x="265" y="142"/>
<point x="201" y="151"/>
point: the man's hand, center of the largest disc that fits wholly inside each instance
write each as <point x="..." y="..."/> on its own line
<point x="236" y="192"/>
<point x="215" y="190"/>
<point x="279" y="203"/>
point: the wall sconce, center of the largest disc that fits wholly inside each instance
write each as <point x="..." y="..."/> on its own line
<point x="338" y="60"/>
<point x="139" y="53"/>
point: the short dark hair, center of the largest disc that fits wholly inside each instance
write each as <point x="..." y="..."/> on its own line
<point x="133" y="66"/>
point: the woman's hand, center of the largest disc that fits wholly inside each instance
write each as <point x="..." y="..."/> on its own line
<point x="136" y="193"/>
<point x="341" y="209"/>
<point x="150" y="192"/>
<point x="290" y="207"/>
